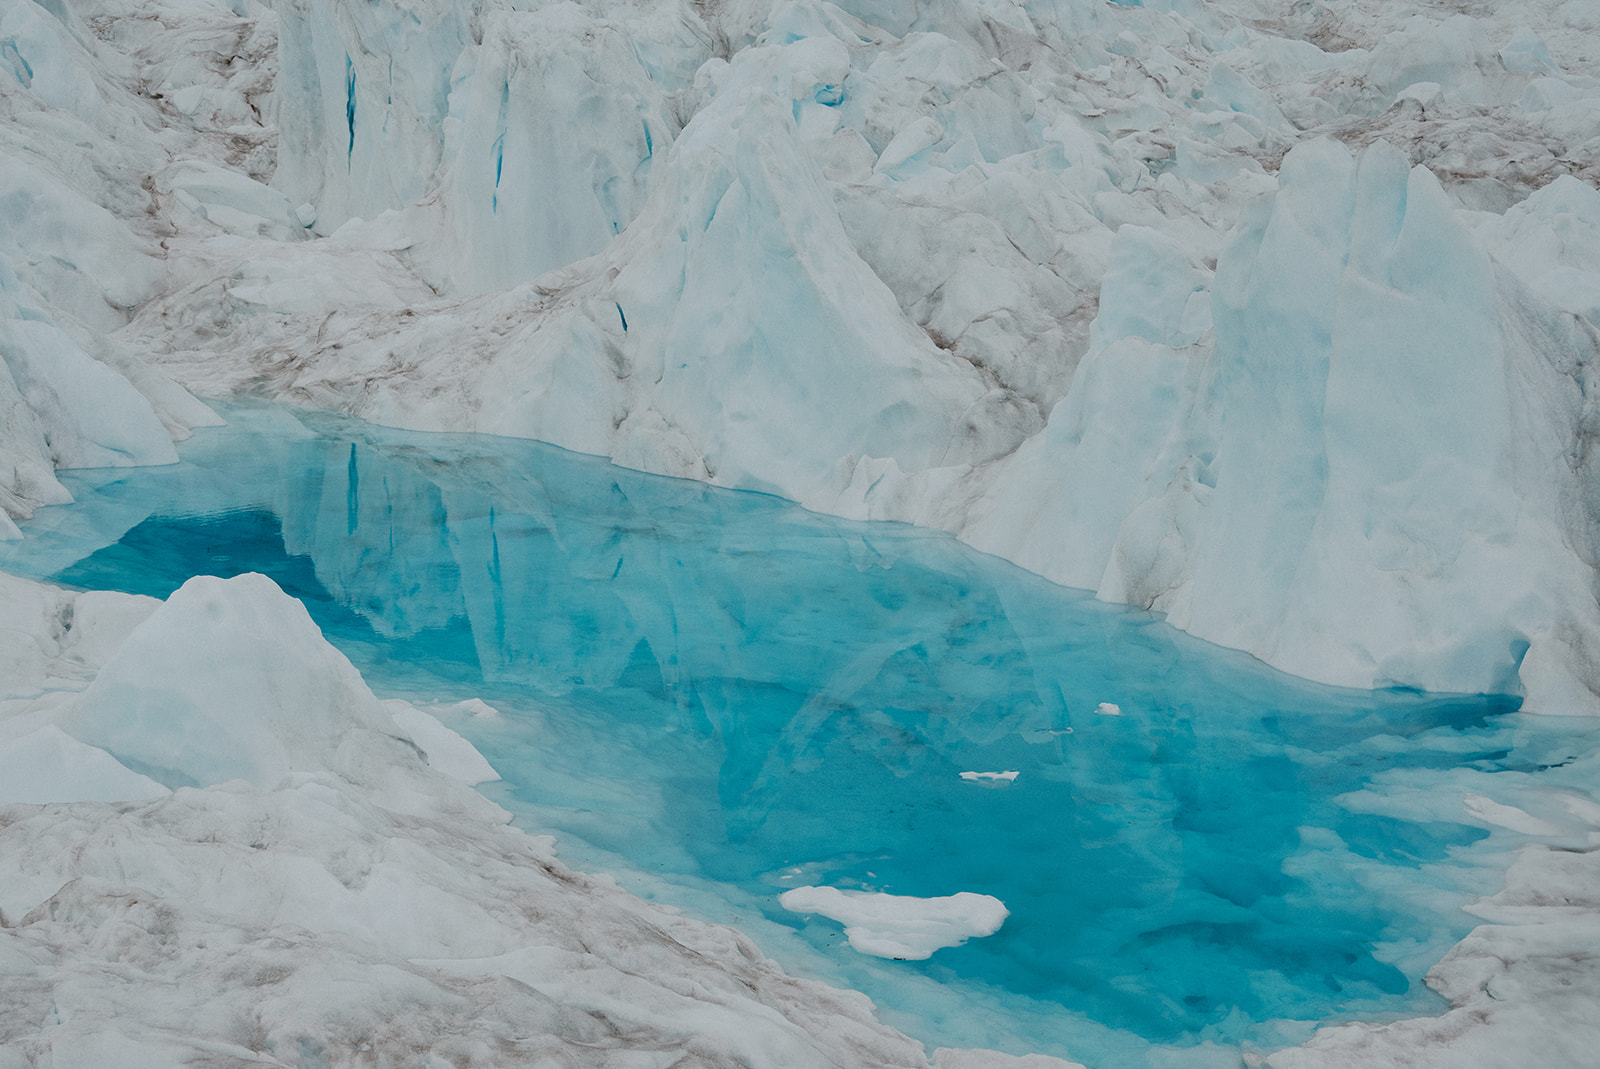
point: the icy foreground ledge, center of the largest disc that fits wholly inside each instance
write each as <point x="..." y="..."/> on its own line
<point x="357" y="904"/>
<point x="335" y="901"/>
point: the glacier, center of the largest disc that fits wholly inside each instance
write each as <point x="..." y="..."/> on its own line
<point x="1276" y="318"/>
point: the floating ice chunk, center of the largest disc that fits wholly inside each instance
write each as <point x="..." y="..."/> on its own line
<point x="900" y="926"/>
<point x="992" y="777"/>
<point x="447" y="751"/>
<point x="1108" y="709"/>
<point x="48" y="765"/>
<point x="478" y="708"/>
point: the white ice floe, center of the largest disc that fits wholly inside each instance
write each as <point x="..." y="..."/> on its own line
<point x="900" y="926"/>
<point x="1108" y="709"/>
<point x="990" y="777"/>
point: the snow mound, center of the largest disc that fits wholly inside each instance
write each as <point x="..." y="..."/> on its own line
<point x="901" y="927"/>
<point x="230" y="679"/>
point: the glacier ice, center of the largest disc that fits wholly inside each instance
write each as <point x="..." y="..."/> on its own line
<point x="1277" y="318"/>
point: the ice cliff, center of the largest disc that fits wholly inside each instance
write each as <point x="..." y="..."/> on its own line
<point x="1272" y="318"/>
<point x="1277" y="317"/>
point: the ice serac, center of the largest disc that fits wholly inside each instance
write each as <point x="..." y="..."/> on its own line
<point x="1392" y="464"/>
<point x="1371" y="474"/>
<point x="771" y="345"/>
<point x="230" y="679"/>
<point x="554" y="127"/>
<point x="360" y="101"/>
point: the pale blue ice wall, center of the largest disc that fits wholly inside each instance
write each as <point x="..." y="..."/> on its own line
<point x="537" y="130"/>
<point x="1376" y="475"/>
<point x="360" y="101"/>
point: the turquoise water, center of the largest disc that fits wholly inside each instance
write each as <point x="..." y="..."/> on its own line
<point x="718" y="690"/>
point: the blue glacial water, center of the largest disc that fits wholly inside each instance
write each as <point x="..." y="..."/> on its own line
<point x="721" y="695"/>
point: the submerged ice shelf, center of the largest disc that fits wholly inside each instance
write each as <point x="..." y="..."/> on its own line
<point x="727" y="697"/>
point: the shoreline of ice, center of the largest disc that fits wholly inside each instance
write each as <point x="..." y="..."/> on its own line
<point x="349" y="854"/>
<point x="335" y="897"/>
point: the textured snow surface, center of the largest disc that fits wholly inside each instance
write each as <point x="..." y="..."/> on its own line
<point x="1276" y="317"/>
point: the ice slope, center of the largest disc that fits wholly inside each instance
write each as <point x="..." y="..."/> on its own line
<point x="332" y="900"/>
<point x="75" y="258"/>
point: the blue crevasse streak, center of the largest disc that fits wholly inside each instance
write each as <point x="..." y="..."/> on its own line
<point x="725" y="696"/>
<point x="350" y="104"/>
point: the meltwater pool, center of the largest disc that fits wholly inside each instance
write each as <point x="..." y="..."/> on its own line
<point x="719" y="696"/>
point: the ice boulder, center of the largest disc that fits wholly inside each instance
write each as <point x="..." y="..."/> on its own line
<point x="68" y="250"/>
<point x="1454" y="53"/>
<point x="229" y="200"/>
<point x="230" y="679"/>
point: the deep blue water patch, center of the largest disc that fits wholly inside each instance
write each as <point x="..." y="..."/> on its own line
<point x="724" y="688"/>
